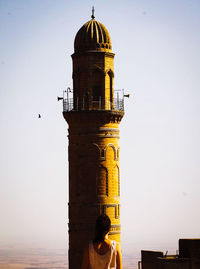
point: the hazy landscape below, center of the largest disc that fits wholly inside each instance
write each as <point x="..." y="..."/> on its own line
<point x="12" y="257"/>
<point x="26" y="257"/>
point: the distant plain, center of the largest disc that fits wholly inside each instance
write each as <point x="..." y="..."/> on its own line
<point x="41" y="258"/>
<point x="32" y="258"/>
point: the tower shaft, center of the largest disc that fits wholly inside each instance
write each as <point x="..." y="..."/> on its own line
<point x="94" y="178"/>
<point x="93" y="116"/>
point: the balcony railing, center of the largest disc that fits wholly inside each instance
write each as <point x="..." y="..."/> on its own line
<point x="70" y="104"/>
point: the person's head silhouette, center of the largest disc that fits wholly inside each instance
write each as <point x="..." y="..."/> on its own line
<point x="102" y="227"/>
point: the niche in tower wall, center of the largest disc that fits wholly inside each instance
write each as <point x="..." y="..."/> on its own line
<point x="93" y="151"/>
<point x="83" y="98"/>
<point x="115" y="181"/>
<point x="96" y="93"/>
<point x="97" y="86"/>
<point x="97" y="150"/>
<point x="102" y="181"/>
<point x="111" y="97"/>
<point x="110" y="152"/>
<point x="116" y="152"/>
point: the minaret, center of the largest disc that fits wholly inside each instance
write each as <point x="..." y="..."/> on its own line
<point x="93" y="113"/>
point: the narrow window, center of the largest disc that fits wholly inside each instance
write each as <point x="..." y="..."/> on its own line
<point x="96" y="93"/>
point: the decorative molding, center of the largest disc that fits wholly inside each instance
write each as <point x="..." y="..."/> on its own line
<point x="118" y="150"/>
<point x="110" y="73"/>
<point x="105" y="150"/>
<point x="115" y="130"/>
<point x="116" y="207"/>
<point x="80" y="227"/>
<point x="102" y="207"/>
<point x="96" y="146"/>
<point x="115" y="229"/>
<point x="76" y="119"/>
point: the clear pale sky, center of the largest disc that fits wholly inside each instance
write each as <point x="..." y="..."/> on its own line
<point x="156" y="43"/>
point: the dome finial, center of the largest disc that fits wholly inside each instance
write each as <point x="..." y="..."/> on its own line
<point x="92" y="13"/>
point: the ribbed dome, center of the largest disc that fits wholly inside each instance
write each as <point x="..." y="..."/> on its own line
<point x="93" y="35"/>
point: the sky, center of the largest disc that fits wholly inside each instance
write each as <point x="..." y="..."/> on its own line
<point x="156" y="45"/>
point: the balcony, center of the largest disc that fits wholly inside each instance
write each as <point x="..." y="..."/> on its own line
<point x="87" y="103"/>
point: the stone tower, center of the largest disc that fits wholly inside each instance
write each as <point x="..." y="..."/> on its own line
<point x="93" y="111"/>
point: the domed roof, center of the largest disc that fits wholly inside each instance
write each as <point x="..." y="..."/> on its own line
<point x="93" y="35"/>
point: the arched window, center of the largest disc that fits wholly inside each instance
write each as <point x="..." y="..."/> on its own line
<point x="111" y="91"/>
<point x="83" y="82"/>
<point x="111" y="75"/>
<point x="96" y="92"/>
<point x="97" y="85"/>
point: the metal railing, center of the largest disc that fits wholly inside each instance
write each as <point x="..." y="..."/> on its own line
<point x="71" y="102"/>
<point x="87" y="103"/>
<point x="103" y="104"/>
